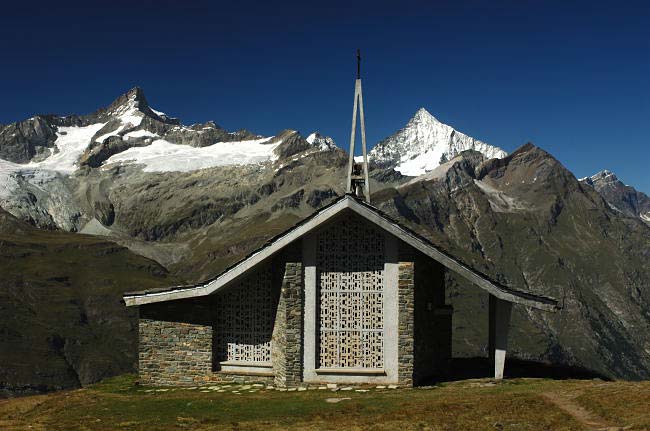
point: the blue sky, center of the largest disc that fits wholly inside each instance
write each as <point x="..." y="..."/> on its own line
<point x="572" y="77"/>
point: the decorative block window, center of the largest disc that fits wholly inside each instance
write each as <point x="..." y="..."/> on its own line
<point x="350" y="263"/>
<point x="245" y="317"/>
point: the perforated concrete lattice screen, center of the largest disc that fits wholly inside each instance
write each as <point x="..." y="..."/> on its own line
<point x="350" y="262"/>
<point x="245" y="320"/>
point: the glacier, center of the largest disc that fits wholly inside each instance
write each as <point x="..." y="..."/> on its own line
<point x="164" y="156"/>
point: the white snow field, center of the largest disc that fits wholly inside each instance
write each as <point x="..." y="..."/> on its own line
<point x="163" y="156"/>
<point x="70" y="145"/>
<point x="160" y="156"/>
<point x="129" y="113"/>
<point x="437" y="173"/>
<point x="421" y="163"/>
<point x="140" y="134"/>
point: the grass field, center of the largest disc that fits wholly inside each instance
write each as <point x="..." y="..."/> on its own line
<point x="517" y="404"/>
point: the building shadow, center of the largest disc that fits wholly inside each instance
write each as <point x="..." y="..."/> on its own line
<point x="481" y="368"/>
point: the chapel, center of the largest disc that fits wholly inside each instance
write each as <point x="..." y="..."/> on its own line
<point x="347" y="295"/>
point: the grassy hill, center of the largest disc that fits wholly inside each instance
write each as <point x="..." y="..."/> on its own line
<point x="517" y="404"/>
<point x="63" y="324"/>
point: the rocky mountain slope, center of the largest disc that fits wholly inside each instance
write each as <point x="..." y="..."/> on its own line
<point x="196" y="198"/>
<point x="423" y="144"/>
<point x="63" y="324"/>
<point x="529" y="223"/>
<point x="620" y="196"/>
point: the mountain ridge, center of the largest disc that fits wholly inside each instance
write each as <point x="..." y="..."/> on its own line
<point x="621" y="197"/>
<point x="524" y="220"/>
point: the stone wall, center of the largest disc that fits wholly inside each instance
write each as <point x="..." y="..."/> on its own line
<point x="279" y="340"/>
<point x="175" y="342"/>
<point x="287" y="333"/>
<point x="432" y="334"/>
<point x="406" y="309"/>
<point x="179" y="344"/>
<point x="176" y="345"/>
<point x="174" y="353"/>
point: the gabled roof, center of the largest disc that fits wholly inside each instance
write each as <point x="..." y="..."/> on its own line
<point x="307" y="225"/>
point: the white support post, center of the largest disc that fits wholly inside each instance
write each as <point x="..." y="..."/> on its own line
<point x="366" y="192"/>
<point x="310" y="308"/>
<point x="500" y="312"/>
<point x="357" y="85"/>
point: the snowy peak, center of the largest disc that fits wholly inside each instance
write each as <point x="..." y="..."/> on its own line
<point x="132" y="107"/>
<point x="133" y="100"/>
<point x="291" y="143"/>
<point x="424" y="143"/>
<point x="323" y="143"/>
<point x="422" y="115"/>
<point x="133" y="96"/>
<point x="604" y="179"/>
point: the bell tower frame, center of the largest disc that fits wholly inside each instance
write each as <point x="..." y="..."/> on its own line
<point x="358" y="183"/>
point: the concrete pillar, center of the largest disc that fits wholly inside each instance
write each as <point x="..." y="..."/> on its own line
<point x="500" y="311"/>
<point x="311" y="309"/>
<point x="393" y="331"/>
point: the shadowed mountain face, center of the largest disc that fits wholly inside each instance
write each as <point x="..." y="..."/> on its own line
<point x="527" y="222"/>
<point x="197" y="198"/>
<point x="63" y="323"/>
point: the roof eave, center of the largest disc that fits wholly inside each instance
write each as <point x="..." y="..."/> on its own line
<point x="368" y="212"/>
<point x="243" y="266"/>
<point x="523" y="298"/>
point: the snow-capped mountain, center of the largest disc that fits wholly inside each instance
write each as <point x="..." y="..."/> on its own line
<point x="129" y="131"/>
<point x="620" y="197"/>
<point x="424" y="143"/>
<point x="45" y="159"/>
<point x="130" y="109"/>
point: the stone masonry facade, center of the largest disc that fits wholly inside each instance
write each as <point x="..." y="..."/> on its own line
<point x="287" y="333"/>
<point x="177" y="338"/>
<point x="406" y="322"/>
<point x="177" y="345"/>
<point x="180" y="354"/>
<point x="173" y="353"/>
